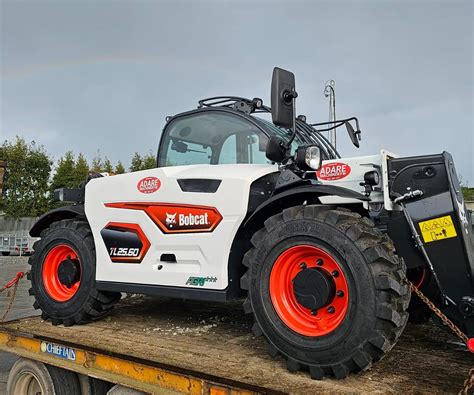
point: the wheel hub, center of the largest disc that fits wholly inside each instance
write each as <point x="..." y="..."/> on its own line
<point x="309" y="290"/>
<point x="69" y="272"/>
<point x="61" y="273"/>
<point x="314" y="288"/>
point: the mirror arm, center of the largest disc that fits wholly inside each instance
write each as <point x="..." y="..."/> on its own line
<point x="331" y="128"/>
<point x="338" y="123"/>
<point x="336" y="120"/>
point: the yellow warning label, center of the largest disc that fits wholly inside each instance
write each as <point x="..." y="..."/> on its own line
<point x="437" y="229"/>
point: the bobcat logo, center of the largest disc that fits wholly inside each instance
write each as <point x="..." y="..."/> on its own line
<point x="170" y="220"/>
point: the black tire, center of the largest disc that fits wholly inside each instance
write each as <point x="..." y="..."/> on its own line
<point x="27" y="374"/>
<point x="378" y="296"/>
<point x="5" y="253"/>
<point x="87" y="304"/>
<point x="93" y="386"/>
<point x="99" y="387"/>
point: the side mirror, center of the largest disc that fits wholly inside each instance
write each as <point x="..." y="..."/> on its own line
<point x="354" y="136"/>
<point x="282" y="95"/>
<point x="179" y="146"/>
<point x="276" y="150"/>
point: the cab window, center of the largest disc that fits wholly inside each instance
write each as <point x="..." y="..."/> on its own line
<point x="212" y="138"/>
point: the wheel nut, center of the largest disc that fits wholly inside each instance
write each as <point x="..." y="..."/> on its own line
<point x="335" y="273"/>
<point x="320" y="262"/>
<point x="331" y="310"/>
<point x="340" y="293"/>
<point x="303" y="265"/>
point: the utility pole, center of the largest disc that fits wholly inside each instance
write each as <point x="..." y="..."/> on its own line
<point x="330" y="91"/>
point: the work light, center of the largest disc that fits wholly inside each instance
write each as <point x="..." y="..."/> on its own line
<point x="308" y="157"/>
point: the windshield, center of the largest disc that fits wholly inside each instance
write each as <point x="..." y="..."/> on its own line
<point x="213" y="138"/>
<point x="284" y="134"/>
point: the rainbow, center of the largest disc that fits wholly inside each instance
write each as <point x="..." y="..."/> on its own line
<point x="39" y="68"/>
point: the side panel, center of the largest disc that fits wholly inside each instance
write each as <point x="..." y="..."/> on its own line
<point x="190" y="233"/>
<point x="349" y="173"/>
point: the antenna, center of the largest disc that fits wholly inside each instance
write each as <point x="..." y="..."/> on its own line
<point x="330" y="91"/>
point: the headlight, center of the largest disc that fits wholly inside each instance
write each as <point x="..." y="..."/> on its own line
<point x="308" y="157"/>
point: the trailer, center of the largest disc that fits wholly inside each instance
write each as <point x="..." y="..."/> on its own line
<point x="16" y="243"/>
<point x="160" y="345"/>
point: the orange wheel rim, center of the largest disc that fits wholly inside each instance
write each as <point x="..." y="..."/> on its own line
<point x="297" y="317"/>
<point x="52" y="284"/>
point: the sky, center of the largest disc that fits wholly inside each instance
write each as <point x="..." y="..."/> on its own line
<point x="101" y="76"/>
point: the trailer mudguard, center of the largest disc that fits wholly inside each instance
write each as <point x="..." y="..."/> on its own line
<point x="56" y="215"/>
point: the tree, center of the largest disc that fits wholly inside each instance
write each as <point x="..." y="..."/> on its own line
<point x="107" y="166"/>
<point x="468" y="192"/>
<point x="142" y="162"/>
<point x="64" y="176"/>
<point x="81" y="170"/>
<point x="25" y="190"/>
<point x="119" y="169"/>
<point x="96" y="164"/>
<point x="149" y="162"/>
<point x="137" y="162"/>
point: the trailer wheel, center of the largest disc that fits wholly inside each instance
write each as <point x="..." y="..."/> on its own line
<point x="326" y="290"/>
<point x="63" y="275"/>
<point x="32" y="377"/>
<point x="93" y="386"/>
<point x="5" y="253"/>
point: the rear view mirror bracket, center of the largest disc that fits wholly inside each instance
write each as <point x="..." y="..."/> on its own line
<point x="355" y="135"/>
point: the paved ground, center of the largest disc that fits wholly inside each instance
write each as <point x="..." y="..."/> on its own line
<point x="9" y="266"/>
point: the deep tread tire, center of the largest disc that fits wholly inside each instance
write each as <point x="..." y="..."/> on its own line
<point x="88" y="303"/>
<point x="379" y="296"/>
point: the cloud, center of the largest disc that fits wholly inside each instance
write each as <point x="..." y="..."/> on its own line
<point x="103" y="75"/>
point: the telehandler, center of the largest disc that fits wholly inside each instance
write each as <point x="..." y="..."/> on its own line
<point x="320" y="247"/>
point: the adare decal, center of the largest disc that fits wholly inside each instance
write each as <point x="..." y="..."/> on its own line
<point x="333" y="171"/>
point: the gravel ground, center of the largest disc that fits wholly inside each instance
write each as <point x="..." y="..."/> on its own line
<point x="13" y="260"/>
<point x="9" y="266"/>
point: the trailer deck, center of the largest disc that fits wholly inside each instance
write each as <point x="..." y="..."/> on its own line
<point x="149" y="343"/>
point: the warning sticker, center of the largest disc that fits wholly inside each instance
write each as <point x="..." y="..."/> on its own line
<point x="437" y="229"/>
